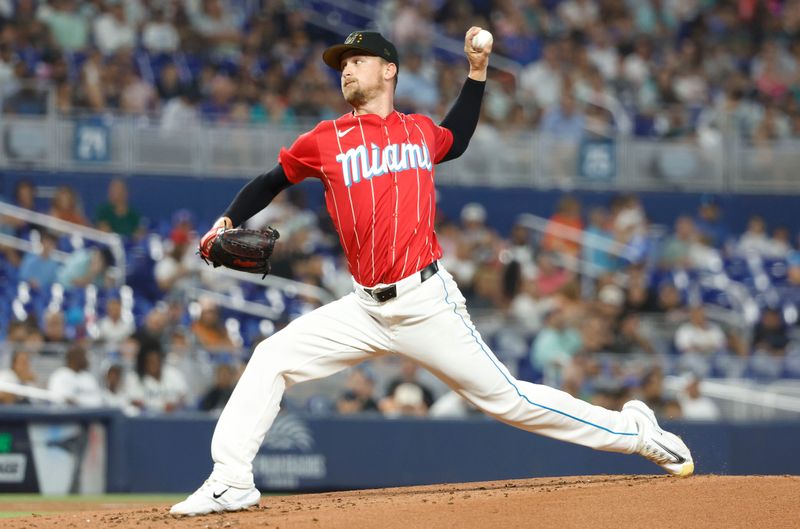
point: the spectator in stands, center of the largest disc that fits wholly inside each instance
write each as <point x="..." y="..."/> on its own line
<point x="25" y="334"/>
<point x="158" y="33"/>
<point x="408" y="377"/>
<point x="755" y="239"/>
<point x="218" y="26"/>
<point x="610" y="302"/>
<point x="562" y="234"/>
<point x="487" y="288"/>
<point x="68" y="25"/>
<point x="16" y="332"/>
<point x="92" y="89"/>
<point x="112" y="30"/>
<point x="780" y="244"/>
<point x="209" y="330"/>
<point x="28" y="100"/>
<point x="406" y="399"/>
<point x="117" y="215"/>
<point x="87" y="266"/>
<point x="651" y="391"/>
<point x="671" y="304"/>
<point x="272" y="108"/>
<point x="595" y="335"/>
<point x="151" y="336"/>
<point x="563" y="128"/>
<point x="156" y="387"/>
<point x="540" y="82"/>
<point x="221" y="98"/>
<point x="73" y="383"/>
<point x="629" y="223"/>
<point x="416" y="90"/>
<point x="609" y="393"/>
<point x="556" y="344"/>
<point x="520" y="247"/>
<point x="113" y="392"/>
<point x="116" y="326"/>
<point x="8" y="78"/>
<point x="172" y="272"/>
<point x="770" y="335"/>
<point x="475" y="234"/>
<point x="180" y="113"/>
<point x="551" y="276"/>
<point x="676" y="251"/>
<point x="791" y="291"/>
<point x="694" y="405"/>
<point x="579" y="14"/>
<point x="169" y="83"/>
<point x="630" y="337"/>
<point x="359" y="393"/>
<point x="699" y="336"/>
<point x="597" y="242"/>
<point x="24" y="197"/>
<point x="40" y="270"/>
<point x="54" y="329"/>
<point x="528" y="308"/>
<point x="709" y="222"/>
<point x="639" y="297"/>
<point x="20" y="372"/>
<point x="65" y="206"/>
<point x="138" y="97"/>
<point x="217" y="396"/>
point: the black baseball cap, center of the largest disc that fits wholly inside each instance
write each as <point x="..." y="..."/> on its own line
<point x="370" y="42"/>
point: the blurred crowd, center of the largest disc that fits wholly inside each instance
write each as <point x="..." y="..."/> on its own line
<point x="697" y="70"/>
<point x="597" y="303"/>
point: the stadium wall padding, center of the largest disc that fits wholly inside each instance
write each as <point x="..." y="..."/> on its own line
<point x="156" y="197"/>
<point x="172" y="454"/>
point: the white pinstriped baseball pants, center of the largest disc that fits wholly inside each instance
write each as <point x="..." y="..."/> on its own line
<point x="428" y="323"/>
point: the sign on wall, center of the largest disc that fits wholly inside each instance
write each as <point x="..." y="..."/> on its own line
<point x="92" y="141"/>
<point x="597" y="159"/>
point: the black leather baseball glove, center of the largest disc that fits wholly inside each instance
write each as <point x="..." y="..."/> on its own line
<point x="240" y="249"/>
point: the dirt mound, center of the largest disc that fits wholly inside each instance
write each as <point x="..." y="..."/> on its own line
<point x="598" y="502"/>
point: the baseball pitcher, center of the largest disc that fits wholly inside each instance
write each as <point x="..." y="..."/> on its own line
<point x="377" y="168"/>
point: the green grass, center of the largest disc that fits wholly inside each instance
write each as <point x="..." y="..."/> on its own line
<point x="18" y="514"/>
<point x="44" y="505"/>
<point x="98" y="498"/>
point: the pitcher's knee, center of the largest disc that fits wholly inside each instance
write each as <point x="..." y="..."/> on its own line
<point x="501" y="403"/>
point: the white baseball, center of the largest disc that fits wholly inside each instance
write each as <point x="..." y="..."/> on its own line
<point x="482" y="39"/>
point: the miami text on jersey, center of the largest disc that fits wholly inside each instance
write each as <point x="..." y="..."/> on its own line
<point x="357" y="163"/>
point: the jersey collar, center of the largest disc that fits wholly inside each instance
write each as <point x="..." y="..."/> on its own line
<point x="392" y="118"/>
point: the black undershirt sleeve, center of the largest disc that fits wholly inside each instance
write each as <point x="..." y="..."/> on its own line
<point x="256" y="195"/>
<point x="463" y="117"/>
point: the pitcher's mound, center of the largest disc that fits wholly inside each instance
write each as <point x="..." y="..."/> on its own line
<point x="597" y="502"/>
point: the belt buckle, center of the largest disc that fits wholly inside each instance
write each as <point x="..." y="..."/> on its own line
<point x="382" y="294"/>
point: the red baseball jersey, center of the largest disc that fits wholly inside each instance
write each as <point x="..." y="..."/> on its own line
<point x="379" y="188"/>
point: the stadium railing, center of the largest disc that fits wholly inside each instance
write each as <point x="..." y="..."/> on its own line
<point x="141" y="145"/>
<point x="77" y="233"/>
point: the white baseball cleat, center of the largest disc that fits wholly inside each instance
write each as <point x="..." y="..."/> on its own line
<point x="214" y="496"/>
<point x="662" y="448"/>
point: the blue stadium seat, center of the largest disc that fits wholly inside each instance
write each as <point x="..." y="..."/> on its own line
<point x="736" y="268"/>
<point x="777" y="270"/>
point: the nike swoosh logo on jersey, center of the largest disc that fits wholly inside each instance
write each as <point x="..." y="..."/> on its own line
<point x="217" y="496"/>
<point x="343" y="133"/>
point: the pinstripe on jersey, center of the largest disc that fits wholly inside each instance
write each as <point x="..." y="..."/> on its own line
<point x="379" y="188"/>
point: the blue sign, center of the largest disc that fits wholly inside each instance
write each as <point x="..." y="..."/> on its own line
<point x="597" y="159"/>
<point x="92" y="141"/>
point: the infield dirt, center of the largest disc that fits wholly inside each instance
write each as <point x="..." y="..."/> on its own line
<point x="597" y="502"/>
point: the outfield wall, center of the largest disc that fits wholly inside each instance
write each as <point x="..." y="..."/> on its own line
<point x="105" y="451"/>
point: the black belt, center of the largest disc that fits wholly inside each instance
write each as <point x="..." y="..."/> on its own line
<point x="382" y="295"/>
